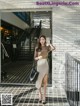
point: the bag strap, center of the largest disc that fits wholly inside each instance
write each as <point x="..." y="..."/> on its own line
<point x="34" y="63"/>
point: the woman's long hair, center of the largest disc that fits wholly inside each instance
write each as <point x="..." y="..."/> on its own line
<point x="39" y="48"/>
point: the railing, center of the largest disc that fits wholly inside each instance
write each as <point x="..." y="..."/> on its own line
<point x="24" y="35"/>
<point x="38" y="30"/>
<point x="4" y="52"/>
<point x="72" y="68"/>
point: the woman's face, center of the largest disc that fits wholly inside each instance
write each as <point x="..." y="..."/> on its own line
<point x="42" y="40"/>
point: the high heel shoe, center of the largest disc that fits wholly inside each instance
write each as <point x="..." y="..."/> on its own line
<point x="44" y="101"/>
<point x="40" y="98"/>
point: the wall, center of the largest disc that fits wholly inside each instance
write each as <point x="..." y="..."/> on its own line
<point x="13" y="19"/>
<point x="66" y="38"/>
<point x="47" y="33"/>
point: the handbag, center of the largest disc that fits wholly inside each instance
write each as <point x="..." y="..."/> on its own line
<point x="34" y="73"/>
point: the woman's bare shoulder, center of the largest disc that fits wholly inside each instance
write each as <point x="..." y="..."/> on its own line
<point x="36" y="48"/>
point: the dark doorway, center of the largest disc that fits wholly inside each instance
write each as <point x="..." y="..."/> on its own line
<point x="18" y="40"/>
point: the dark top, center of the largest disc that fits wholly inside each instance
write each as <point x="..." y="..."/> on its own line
<point x="43" y="52"/>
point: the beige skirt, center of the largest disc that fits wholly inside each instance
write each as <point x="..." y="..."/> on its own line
<point x="42" y="68"/>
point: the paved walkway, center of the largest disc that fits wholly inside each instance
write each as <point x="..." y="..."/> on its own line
<point x="28" y="96"/>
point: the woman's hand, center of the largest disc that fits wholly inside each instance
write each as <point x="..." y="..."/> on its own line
<point x="47" y="44"/>
<point x="36" y="58"/>
<point x="39" y="57"/>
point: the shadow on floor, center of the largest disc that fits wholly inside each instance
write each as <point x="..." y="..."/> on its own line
<point x="17" y="99"/>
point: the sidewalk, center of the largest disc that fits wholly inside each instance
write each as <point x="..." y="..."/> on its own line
<point x="28" y="96"/>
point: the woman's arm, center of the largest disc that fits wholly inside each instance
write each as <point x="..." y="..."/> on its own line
<point x="51" y="47"/>
<point x="35" y="53"/>
<point x="39" y="57"/>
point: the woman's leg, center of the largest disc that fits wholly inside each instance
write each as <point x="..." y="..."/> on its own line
<point x="40" y="94"/>
<point x="45" y="81"/>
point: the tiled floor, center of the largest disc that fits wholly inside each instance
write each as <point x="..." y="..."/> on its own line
<point x="28" y="96"/>
<point x="19" y="72"/>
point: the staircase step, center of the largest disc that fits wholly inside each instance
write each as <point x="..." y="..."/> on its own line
<point x="27" y="47"/>
<point x="25" y="55"/>
<point x="29" y="59"/>
<point x="25" y="51"/>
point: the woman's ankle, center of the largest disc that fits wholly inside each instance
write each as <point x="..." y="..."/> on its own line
<point x="40" y="95"/>
<point x="44" y="98"/>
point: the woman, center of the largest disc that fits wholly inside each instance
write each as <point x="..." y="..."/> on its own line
<point x="41" y="55"/>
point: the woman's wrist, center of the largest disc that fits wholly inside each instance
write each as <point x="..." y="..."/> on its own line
<point x="39" y="57"/>
<point x="36" y="58"/>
